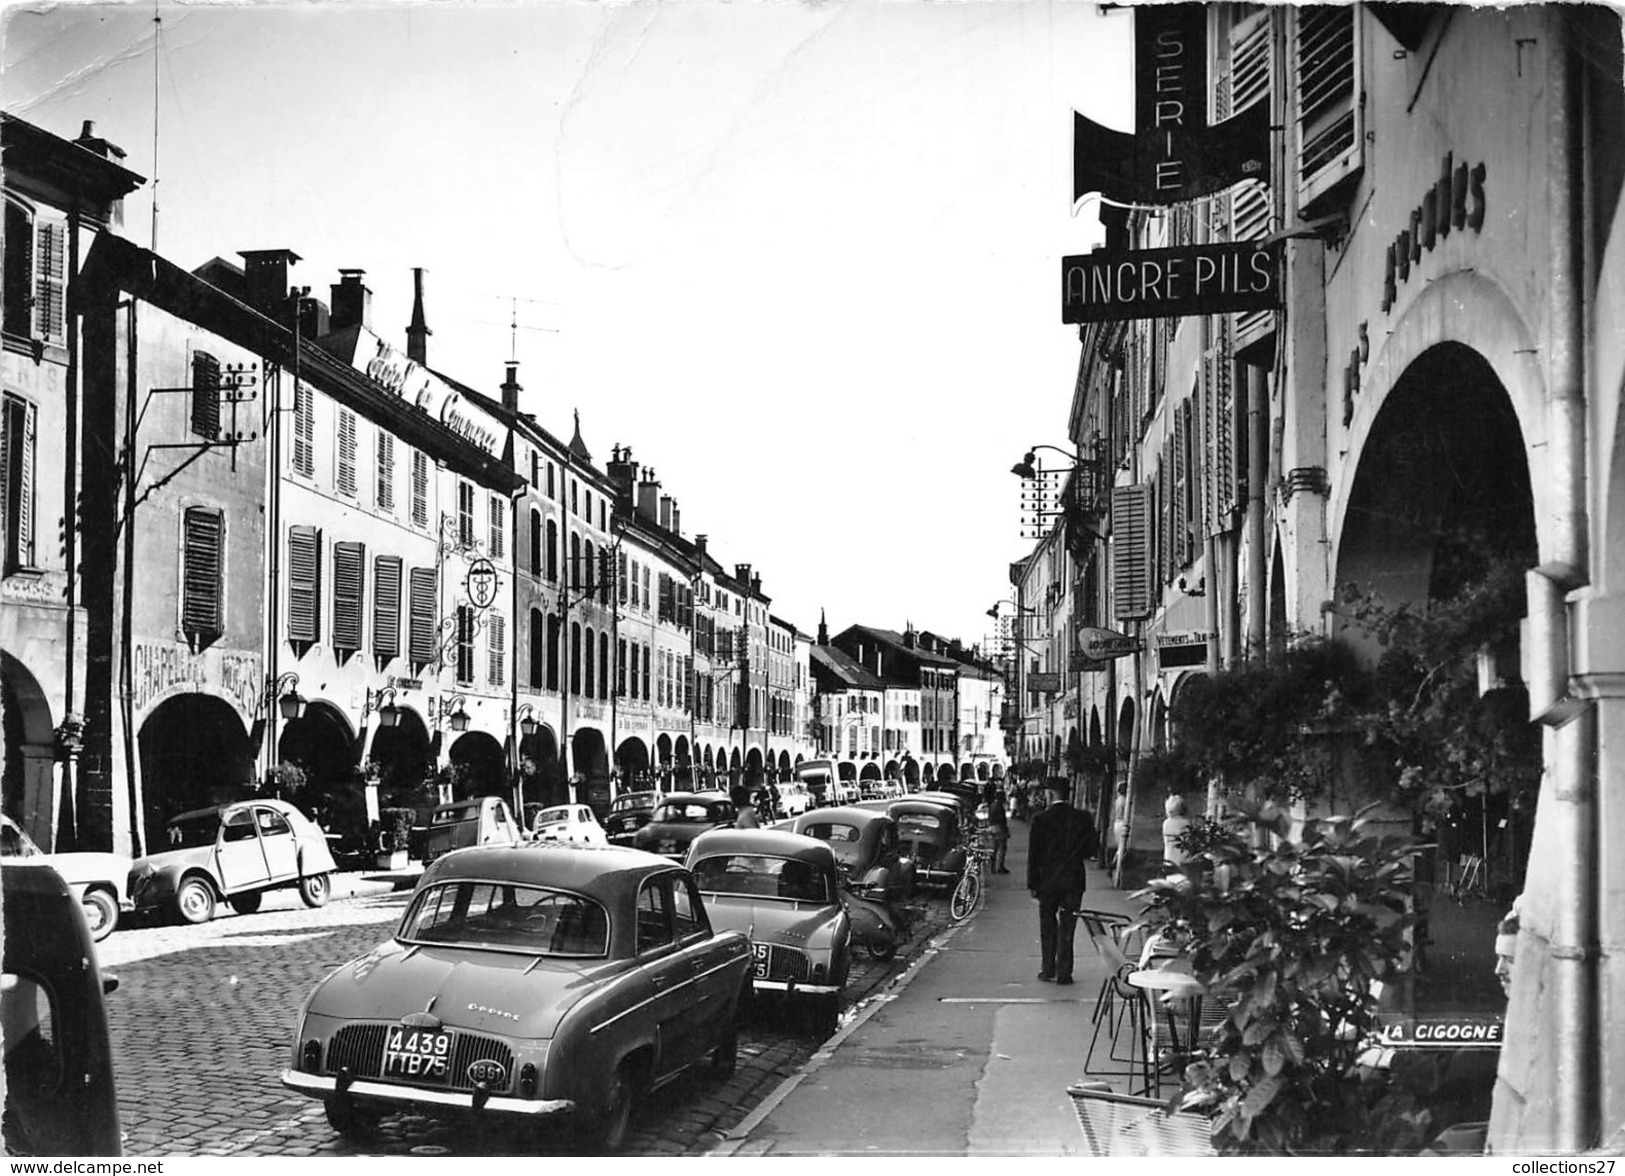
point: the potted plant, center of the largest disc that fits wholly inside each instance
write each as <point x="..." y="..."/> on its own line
<point x="393" y="835"/>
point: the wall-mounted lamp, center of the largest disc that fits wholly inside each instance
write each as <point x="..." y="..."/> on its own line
<point x="1026" y="469"/>
<point x="1200" y="588"/>
<point x="381" y="702"/>
<point x="290" y="703"/>
<point x="527" y="721"/>
<point x="456" y="712"/>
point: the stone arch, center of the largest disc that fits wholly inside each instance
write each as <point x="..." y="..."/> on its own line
<point x="869" y="771"/>
<point x="541" y="774"/>
<point x="195" y="752"/>
<point x="402" y="758"/>
<point x="633" y="763"/>
<point x="481" y="766"/>
<point x="30" y="742"/>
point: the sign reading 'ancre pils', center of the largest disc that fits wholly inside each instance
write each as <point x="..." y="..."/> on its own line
<point x="1107" y="286"/>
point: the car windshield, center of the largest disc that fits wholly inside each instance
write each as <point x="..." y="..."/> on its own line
<point x="193" y="832"/>
<point x="507" y="916"/>
<point x="843" y="839"/>
<point x="692" y="812"/>
<point x="460" y="812"/>
<point x="552" y="816"/>
<point x="761" y="876"/>
<point x="636" y="801"/>
<point x="15" y="843"/>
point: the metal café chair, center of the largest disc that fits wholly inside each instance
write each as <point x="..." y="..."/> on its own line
<point x="1116" y="1002"/>
<point x="1125" y="1125"/>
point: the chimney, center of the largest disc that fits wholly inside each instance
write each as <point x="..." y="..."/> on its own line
<point x="908" y="636"/>
<point x="623" y="471"/>
<point x="89" y="140"/>
<point x="511" y="388"/>
<point x="676" y="527"/>
<point x="665" y="511"/>
<point x="756" y="583"/>
<point x="265" y="280"/>
<point x="699" y="543"/>
<point x="742" y="574"/>
<point x="352" y="301"/>
<point x="313" y="318"/>
<point x="649" y="497"/>
<point x="417" y="331"/>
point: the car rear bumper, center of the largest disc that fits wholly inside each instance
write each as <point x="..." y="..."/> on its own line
<point x="323" y="1086"/>
<point x="792" y="988"/>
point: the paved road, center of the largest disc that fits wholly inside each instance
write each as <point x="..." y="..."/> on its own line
<point x="203" y="1019"/>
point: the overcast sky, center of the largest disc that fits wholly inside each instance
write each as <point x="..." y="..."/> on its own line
<point x="802" y="258"/>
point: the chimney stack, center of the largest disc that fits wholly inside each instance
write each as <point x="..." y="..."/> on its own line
<point x="623" y="471"/>
<point x="90" y="141"/>
<point x="699" y="543"/>
<point x="417" y="331"/>
<point x="511" y="388"/>
<point x="352" y="301"/>
<point x="665" y="511"/>
<point x="756" y="583"/>
<point x="265" y="280"/>
<point x="676" y="521"/>
<point x="649" y="497"/>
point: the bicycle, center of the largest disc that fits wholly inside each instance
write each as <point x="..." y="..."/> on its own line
<point x="967" y="895"/>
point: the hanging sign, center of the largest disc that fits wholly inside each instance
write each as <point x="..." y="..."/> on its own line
<point x="481" y="583"/>
<point x="1104" y="644"/>
<point x="1175" y="650"/>
<point x="1044" y="683"/>
<point x="1111" y="286"/>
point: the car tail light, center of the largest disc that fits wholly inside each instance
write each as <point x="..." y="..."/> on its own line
<point x="311" y="1062"/>
<point x="527" y="1080"/>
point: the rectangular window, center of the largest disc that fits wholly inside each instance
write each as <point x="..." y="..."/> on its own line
<point x="349" y="583"/>
<point x="420" y="641"/>
<point x="647" y="598"/>
<point x="499" y="525"/>
<point x="1325" y="52"/>
<point x="304" y="584"/>
<point x="18" y="424"/>
<point x="535" y="470"/>
<point x="552" y="489"/>
<point x="646" y="673"/>
<point x="304" y="431"/>
<point x="465" y="514"/>
<point x="496" y="648"/>
<point x="636" y="677"/>
<point x="205" y="395"/>
<point x="620" y="668"/>
<point x="386" y="606"/>
<point x="465" y="644"/>
<point x="420" y="488"/>
<point x="202" y="559"/>
<point x="386" y="470"/>
<point x="344" y="454"/>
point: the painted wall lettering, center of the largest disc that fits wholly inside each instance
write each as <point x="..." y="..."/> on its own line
<point x="1456" y="201"/>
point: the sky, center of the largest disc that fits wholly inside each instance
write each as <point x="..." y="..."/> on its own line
<point x="801" y="257"/>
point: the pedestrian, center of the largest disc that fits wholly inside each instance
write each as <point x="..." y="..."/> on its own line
<point x="998" y="824"/>
<point x="744" y="812"/>
<point x="1058" y="851"/>
<point x="1174" y="825"/>
<point x="1120" y="826"/>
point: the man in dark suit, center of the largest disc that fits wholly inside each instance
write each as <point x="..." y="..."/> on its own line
<point x="1061" y="842"/>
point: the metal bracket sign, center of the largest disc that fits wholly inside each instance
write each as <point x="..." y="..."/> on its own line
<point x="481" y="583"/>
<point x="1104" y="644"/>
<point x="1107" y="286"/>
<point x="1046" y="683"/>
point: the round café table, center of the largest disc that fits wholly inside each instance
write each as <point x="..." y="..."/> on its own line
<point x="1171" y="989"/>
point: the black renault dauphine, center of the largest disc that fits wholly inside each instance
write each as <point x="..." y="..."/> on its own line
<point x="525" y="983"/>
<point x="680" y="817"/>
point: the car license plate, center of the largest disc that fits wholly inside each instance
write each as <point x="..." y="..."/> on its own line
<point x="668" y="846"/>
<point x="761" y="951"/>
<point x="416" y="1053"/>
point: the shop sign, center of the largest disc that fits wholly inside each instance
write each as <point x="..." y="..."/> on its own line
<point x="160" y="669"/>
<point x="1111" y="286"/>
<point x="1104" y="644"/>
<point x="1176" y="650"/>
<point x="1045" y="682"/>
<point x="1462" y="1031"/>
<point x="421" y="388"/>
<point x="481" y="583"/>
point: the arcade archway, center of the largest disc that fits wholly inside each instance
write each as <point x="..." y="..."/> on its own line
<point x="479" y="767"/>
<point x="541" y="775"/>
<point x="321" y="744"/>
<point x="590" y="759"/>
<point x="401" y="760"/>
<point x="29" y="746"/>
<point x="632" y="762"/>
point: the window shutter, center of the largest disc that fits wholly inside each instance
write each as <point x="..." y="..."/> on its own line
<point x="50" y="292"/>
<point x="535" y="542"/>
<point x="499" y="526"/>
<point x="1131" y="559"/>
<point x="1325" y="78"/>
<point x="386" y="470"/>
<point x="420" y="488"/>
<point x="465" y="514"/>
<point x="1178" y="514"/>
<point x="304" y="584"/>
<point x="201" y="561"/>
<point x="304" y="431"/>
<point x="1247" y="82"/>
<point x="21" y="425"/>
<point x="465" y="644"/>
<point x="19" y="270"/>
<point x="205" y="395"/>
<point x="645" y="673"/>
<point x="552" y="551"/>
<point x="606" y="575"/>
<point x="344" y="454"/>
<point x="420" y="641"/>
<point x="386" y="606"/>
<point x="620" y="580"/>
<point x="496" y="649"/>
<point x="349" y="582"/>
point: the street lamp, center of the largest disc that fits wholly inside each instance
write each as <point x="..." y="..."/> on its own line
<point x="290" y="703"/>
<point x="527" y="721"/>
<point x="456" y="709"/>
<point x="1026" y="469"/>
<point x="382" y="703"/>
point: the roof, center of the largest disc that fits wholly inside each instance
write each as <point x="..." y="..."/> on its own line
<point x="771" y="842"/>
<point x="895" y="643"/>
<point x="844" y="668"/>
<point x="584" y="869"/>
<point x="578" y="447"/>
<point x="33" y="152"/>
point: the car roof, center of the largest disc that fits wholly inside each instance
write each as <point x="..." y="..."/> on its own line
<point x="597" y="871"/>
<point x="684" y="797"/>
<point x="281" y="806"/>
<point x="849" y="814"/>
<point x="774" y="842"/>
<point x="920" y="804"/>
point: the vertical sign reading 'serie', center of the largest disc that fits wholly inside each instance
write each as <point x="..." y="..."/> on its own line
<point x="1170" y="90"/>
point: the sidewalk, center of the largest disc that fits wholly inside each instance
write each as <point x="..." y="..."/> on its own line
<point x="970" y="1055"/>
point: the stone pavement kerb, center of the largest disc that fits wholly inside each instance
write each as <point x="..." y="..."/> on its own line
<point x="996" y="1047"/>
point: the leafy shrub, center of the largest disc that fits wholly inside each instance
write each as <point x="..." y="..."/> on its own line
<point x="395" y="829"/>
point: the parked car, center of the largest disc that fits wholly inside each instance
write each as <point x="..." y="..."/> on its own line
<point x="233" y="853"/>
<point x="573" y="823"/>
<point x="794" y="798"/>
<point x="99" y="880"/>
<point x="866" y="847"/>
<point x="480" y="820"/>
<point x="628" y="813"/>
<point x="782" y="890"/>
<point x="679" y="818"/>
<point x="930" y="834"/>
<point x="60" y="1097"/>
<point x="527" y="982"/>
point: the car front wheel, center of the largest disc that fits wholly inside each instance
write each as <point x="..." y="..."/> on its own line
<point x="313" y="889"/>
<point x="101" y="913"/>
<point x="194" y="901"/>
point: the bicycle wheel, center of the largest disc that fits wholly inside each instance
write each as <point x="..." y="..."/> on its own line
<point x="966" y="896"/>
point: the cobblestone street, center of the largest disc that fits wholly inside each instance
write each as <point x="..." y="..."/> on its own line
<point x="202" y="1018"/>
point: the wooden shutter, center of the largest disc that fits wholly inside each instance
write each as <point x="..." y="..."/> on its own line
<point x="620" y="578"/>
<point x="538" y="650"/>
<point x="1181" y="488"/>
<point x="465" y="514"/>
<point x="201" y="559"/>
<point x="349" y="583"/>
<point x="386" y="606"/>
<point x="496" y="662"/>
<point x="386" y="470"/>
<point x="535" y="542"/>
<point x="420" y="641"/>
<point x="205" y="395"/>
<point x="420" y="489"/>
<point x="499" y="526"/>
<point x="50" y="291"/>
<point x="304" y="584"/>
<point x="344" y="470"/>
<point x="465" y="643"/>
<point x="1325" y="84"/>
<point x="17" y="482"/>
<point x="19" y="270"/>
<point x="1131" y="557"/>
<point x="304" y="431"/>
